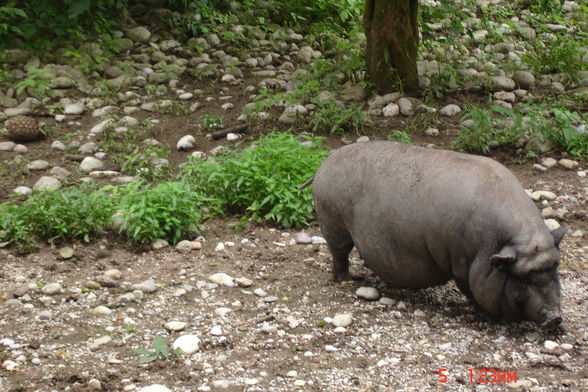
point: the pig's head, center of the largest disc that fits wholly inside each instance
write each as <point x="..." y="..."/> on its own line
<point x="523" y="281"/>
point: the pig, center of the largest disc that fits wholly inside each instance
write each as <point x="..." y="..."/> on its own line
<point x="420" y="217"/>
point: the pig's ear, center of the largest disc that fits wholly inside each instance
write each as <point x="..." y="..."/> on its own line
<point x="559" y="233"/>
<point x="503" y="259"/>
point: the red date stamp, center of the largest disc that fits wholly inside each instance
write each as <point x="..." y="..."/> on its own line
<point x="483" y="376"/>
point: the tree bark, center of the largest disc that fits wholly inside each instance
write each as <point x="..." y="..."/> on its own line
<point x="391" y="29"/>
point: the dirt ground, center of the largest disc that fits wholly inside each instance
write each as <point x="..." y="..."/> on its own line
<point x="282" y="341"/>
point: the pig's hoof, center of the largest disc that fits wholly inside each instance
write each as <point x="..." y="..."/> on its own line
<point x="343" y="277"/>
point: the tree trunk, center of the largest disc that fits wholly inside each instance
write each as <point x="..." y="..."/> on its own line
<point x="391" y="28"/>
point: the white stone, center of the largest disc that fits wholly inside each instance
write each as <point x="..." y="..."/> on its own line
<point x="91" y="164"/>
<point x="58" y="146"/>
<point x="74" y="108"/>
<point x="101" y="310"/>
<point x="186" y="96"/>
<point x="154" y="388"/>
<point x="227" y="106"/>
<point x="100" y="127"/>
<point x="51" y="289"/>
<point x="432" y="132"/>
<point x="543" y="195"/>
<point x="175" y="325"/>
<point x="260" y="292"/>
<point x="37" y="164"/>
<point x="231" y="137"/>
<point x="189" y="344"/>
<point x="450" y="110"/>
<point x="552" y="224"/>
<point x="216" y="331"/>
<point x="317" y="240"/>
<point x="369" y="293"/>
<point x="342" y="320"/>
<point x="186" y="143"/>
<point x="22" y="190"/>
<point x="228" y="78"/>
<point x="391" y="110"/>
<point x="223" y="279"/>
<point x="550" y="345"/>
<point x="568" y="164"/>
<point x="548" y="162"/>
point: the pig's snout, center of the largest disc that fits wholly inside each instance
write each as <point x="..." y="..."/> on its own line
<point x="553" y="319"/>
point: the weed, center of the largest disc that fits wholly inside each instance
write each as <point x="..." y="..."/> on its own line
<point x="131" y="329"/>
<point x="37" y="82"/>
<point x="559" y="56"/>
<point x="170" y="210"/>
<point x="335" y="118"/>
<point x="211" y="122"/>
<point x="159" y="351"/>
<point x="262" y="181"/>
<point x="400" y="136"/>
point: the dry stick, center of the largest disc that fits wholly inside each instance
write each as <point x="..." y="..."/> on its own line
<point x="224" y="132"/>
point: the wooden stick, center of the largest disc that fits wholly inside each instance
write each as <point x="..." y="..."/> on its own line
<point x="224" y="132"/>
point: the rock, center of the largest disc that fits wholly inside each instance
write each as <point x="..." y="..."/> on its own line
<point x="186" y="143"/>
<point x="101" y="126"/>
<point x="228" y="78"/>
<point x="147" y="286"/>
<point x="260" y="292"/>
<point x="154" y="388"/>
<point x="74" y="108"/>
<point x="524" y="79"/>
<point x="568" y="164"/>
<point x="548" y="162"/>
<point x="139" y="34"/>
<point x="450" y="110"/>
<point x="548" y="212"/>
<point x="223" y="312"/>
<point x="432" y="132"/>
<point x="13" y="112"/>
<point x="186" y="96"/>
<point x="543" y="195"/>
<point x="22" y="190"/>
<point x="227" y="106"/>
<point x="51" y="289"/>
<point x="552" y="224"/>
<point x="45" y="315"/>
<point x="342" y="320"/>
<point x="47" y="183"/>
<point x="20" y="149"/>
<point x="189" y="344"/>
<point x="244" y="282"/>
<point x="57" y="146"/>
<point x="95" y="384"/>
<point x="353" y="93"/>
<point x="304" y="55"/>
<point x="66" y="252"/>
<point x="184" y="247"/>
<point x="101" y="310"/>
<point x="222" y="279"/>
<point x="317" y="240"/>
<point x="292" y="114"/>
<point x="505" y="96"/>
<point x="37" y="165"/>
<point x="91" y="164"/>
<point x="302" y="238"/>
<point x="7" y="146"/>
<point x="88" y="148"/>
<point x="539" y="168"/>
<point x="175" y="325"/>
<point x="502" y="83"/>
<point x="369" y="293"/>
<point x="63" y="82"/>
<point x="216" y="331"/>
<point x="213" y="40"/>
<point x="391" y="110"/>
<point x="406" y="107"/>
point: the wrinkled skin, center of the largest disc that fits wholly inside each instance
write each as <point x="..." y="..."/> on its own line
<point x="420" y="217"/>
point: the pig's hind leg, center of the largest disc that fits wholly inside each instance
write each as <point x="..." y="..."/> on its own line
<point x="340" y="244"/>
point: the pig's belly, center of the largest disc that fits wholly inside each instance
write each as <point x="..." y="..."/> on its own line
<point x="402" y="268"/>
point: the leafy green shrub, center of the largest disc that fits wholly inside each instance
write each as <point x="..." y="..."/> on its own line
<point x="563" y="55"/>
<point x="37" y="81"/>
<point x="40" y="22"/>
<point x="498" y="126"/>
<point x="336" y="118"/>
<point x="400" y="136"/>
<point x="262" y="181"/>
<point x="57" y="216"/>
<point x="170" y="210"/>
<point x="306" y="13"/>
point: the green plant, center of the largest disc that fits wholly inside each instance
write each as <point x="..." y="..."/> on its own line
<point x="37" y="81"/>
<point x="170" y="210"/>
<point x="131" y="329"/>
<point x="211" y="122"/>
<point x="563" y="55"/>
<point x="335" y="118"/>
<point x="400" y="136"/>
<point x="9" y="17"/>
<point x="262" y="181"/>
<point x="160" y="350"/>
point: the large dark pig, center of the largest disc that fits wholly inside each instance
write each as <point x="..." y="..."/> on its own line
<point x="420" y="217"/>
